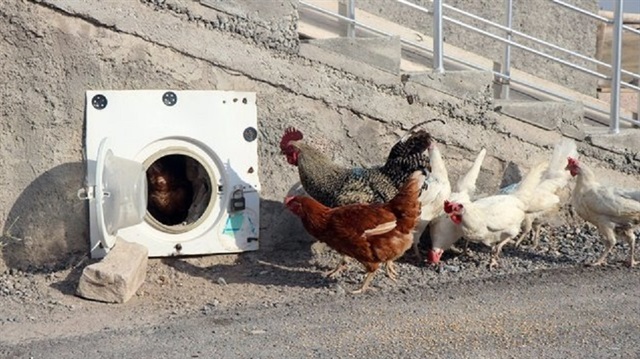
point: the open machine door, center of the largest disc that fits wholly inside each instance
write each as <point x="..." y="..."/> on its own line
<point x="119" y="195"/>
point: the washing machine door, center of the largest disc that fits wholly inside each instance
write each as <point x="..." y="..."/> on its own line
<point x="120" y="195"/>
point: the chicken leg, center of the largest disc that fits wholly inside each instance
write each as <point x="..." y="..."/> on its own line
<point x="365" y="284"/>
<point x="391" y="270"/>
<point x="528" y="223"/>
<point x="344" y="262"/>
<point x="609" y="238"/>
<point x="630" y="236"/>
<point x="536" y="235"/>
<point x="493" y="263"/>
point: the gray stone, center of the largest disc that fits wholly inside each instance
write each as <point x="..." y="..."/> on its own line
<point x="118" y="276"/>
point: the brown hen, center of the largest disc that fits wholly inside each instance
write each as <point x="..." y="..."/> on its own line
<point x="370" y="233"/>
<point x="170" y="192"/>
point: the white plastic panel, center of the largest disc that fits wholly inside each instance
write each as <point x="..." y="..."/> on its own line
<point x="120" y="195"/>
<point x="214" y="127"/>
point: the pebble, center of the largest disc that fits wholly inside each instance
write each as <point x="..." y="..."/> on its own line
<point x="221" y="281"/>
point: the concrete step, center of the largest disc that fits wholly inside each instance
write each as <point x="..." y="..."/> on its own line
<point x="565" y="117"/>
<point x="461" y="84"/>
<point x="382" y="53"/>
<point x="626" y="142"/>
<point x="416" y="57"/>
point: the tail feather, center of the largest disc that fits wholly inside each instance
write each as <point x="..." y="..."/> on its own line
<point x="565" y="148"/>
<point x="415" y="144"/>
<point x="530" y="182"/>
<point x="467" y="183"/>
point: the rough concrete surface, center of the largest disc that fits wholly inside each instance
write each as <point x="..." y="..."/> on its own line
<point x="565" y="117"/>
<point x="117" y="277"/>
<point x="52" y="51"/>
<point x="456" y="83"/>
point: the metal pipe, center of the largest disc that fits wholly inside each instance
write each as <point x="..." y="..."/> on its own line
<point x="582" y="11"/>
<point x="528" y="37"/>
<point x="351" y="14"/>
<point x="438" y="64"/>
<point x="506" y="66"/>
<point x="528" y="49"/>
<point x="616" y="63"/>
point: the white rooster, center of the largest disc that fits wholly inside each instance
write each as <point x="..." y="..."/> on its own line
<point x="444" y="233"/>
<point x="612" y="210"/>
<point x="437" y="191"/>
<point x="495" y="220"/>
<point x="546" y="199"/>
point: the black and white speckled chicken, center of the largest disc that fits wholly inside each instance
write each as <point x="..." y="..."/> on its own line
<point x="334" y="185"/>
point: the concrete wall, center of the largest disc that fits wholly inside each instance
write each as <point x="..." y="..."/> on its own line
<point x="270" y="23"/>
<point x="538" y="18"/>
<point x="51" y="52"/>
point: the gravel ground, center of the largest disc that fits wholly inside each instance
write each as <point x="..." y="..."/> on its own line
<point x="560" y="313"/>
<point x="42" y="304"/>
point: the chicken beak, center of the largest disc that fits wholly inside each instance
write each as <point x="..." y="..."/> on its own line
<point x="433" y="256"/>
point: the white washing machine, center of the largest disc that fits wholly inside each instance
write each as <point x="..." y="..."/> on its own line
<point x="175" y="171"/>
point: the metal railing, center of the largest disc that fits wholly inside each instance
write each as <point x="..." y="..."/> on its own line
<point x="439" y="54"/>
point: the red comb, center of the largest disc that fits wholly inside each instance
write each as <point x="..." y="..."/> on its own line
<point x="572" y="161"/>
<point x="290" y="134"/>
<point x="448" y="206"/>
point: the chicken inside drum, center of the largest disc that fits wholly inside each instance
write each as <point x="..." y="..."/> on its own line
<point x="614" y="211"/>
<point x="372" y="234"/>
<point x="170" y="192"/>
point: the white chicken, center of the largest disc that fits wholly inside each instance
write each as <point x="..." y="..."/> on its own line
<point x="438" y="190"/>
<point x="444" y="233"/>
<point x="495" y="220"/>
<point x="546" y="199"/>
<point x="612" y="210"/>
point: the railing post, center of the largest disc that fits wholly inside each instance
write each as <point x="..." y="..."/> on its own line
<point x="347" y="8"/>
<point x="506" y="67"/>
<point x="438" y="65"/>
<point x="616" y="64"/>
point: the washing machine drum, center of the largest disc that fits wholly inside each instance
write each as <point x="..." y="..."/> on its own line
<point x="120" y="194"/>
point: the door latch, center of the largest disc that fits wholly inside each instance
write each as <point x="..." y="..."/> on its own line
<point x="238" y="202"/>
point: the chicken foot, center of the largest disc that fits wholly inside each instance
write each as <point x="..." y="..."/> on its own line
<point x="630" y="236"/>
<point x="365" y="284"/>
<point x="391" y="270"/>
<point x="493" y="263"/>
<point x="528" y="224"/>
<point x="536" y="235"/>
<point x="609" y="238"/>
<point x="344" y="263"/>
